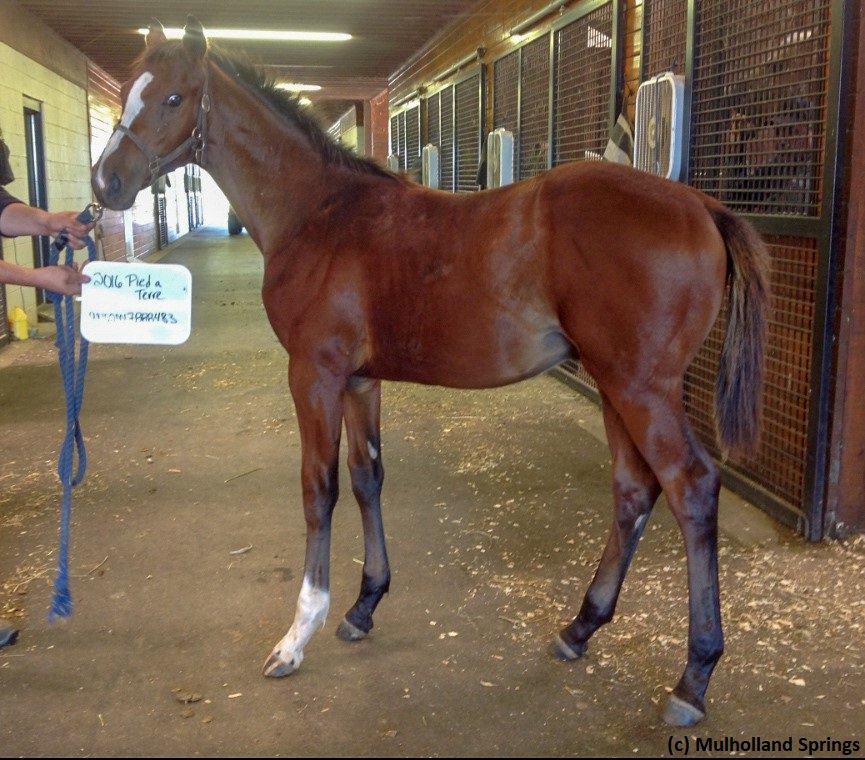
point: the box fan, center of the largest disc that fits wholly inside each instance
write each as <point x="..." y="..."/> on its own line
<point x="430" y="165"/>
<point x="658" y="124"/>
<point x="500" y="157"/>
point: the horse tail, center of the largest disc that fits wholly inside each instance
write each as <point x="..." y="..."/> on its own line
<point x="738" y="389"/>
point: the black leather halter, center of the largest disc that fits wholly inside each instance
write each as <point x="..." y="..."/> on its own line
<point x="196" y="141"/>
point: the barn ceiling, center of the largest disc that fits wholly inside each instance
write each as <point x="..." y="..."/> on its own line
<point x="385" y="34"/>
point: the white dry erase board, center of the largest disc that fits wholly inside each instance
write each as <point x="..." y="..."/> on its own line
<point x="136" y="303"/>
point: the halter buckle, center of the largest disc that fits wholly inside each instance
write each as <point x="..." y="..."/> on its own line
<point x="95" y="210"/>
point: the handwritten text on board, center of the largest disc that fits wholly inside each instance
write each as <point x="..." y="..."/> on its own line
<point x="136" y="303"/>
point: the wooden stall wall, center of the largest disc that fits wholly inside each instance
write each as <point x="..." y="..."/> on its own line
<point x="766" y="90"/>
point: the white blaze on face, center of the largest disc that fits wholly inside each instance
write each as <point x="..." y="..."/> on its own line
<point x="134" y="106"/>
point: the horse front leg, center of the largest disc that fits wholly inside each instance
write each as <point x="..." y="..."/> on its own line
<point x="317" y="397"/>
<point x="362" y="405"/>
<point x="635" y="490"/>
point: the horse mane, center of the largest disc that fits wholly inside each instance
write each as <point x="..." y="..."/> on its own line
<point x="286" y="104"/>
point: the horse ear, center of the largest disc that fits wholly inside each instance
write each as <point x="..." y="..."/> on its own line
<point x="193" y="37"/>
<point x="155" y="35"/>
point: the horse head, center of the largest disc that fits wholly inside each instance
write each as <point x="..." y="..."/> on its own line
<point x="164" y="118"/>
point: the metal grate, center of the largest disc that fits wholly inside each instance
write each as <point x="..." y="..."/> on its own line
<point x="394" y="136"/>
<point x="533" y="146"/>
<point x="583" y="60"/>
<point x="402" y="151"/>
<point x="448" y="143"/>
<point x="433" y="120"/>
<point x="665" y="24"/>
<point x="573" y="370"/>
<point x="780" y="465"/>
<point x="759" y="104"/>
<point x="468" y="126"/>
<point x="412" y="140"/>
<point x="161" y="220"/>
<point x="506" y="97"/>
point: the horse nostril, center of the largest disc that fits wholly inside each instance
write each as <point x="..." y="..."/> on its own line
<point x="115" y="185"/>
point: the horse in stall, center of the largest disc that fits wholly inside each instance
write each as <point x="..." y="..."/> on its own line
<point x="624" y="270"/>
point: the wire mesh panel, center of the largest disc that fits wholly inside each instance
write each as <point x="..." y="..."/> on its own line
<point x="780" y="465"/>
<point x="448" y="141"/>
<point x="759" y="104"/>
<point x="665" y="25"/>
<point x="403" y="142"/>
<point x="506" y="96"/>
<point x="533" y="145"/>
<point x="394" y="135"/>
<point x="583" y="60"/>
<point x="468" y="109"/>
<point x="412" y="140"/>
<point x="433" y="120"/>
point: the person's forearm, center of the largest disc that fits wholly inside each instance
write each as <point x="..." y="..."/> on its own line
<point x="13" y="274"/>
<point x="58" y="278"/>
<point x="20" y="219"/>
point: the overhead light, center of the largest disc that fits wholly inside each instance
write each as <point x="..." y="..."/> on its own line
<point x="296" y="87"/>
<point x="260" y="34"/>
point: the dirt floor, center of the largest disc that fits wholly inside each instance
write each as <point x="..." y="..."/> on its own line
<point x="187" y="559"/>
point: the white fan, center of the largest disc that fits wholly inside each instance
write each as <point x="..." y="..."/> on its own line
<point x="658" y="125"/>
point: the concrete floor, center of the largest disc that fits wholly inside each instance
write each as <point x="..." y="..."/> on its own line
<point x="187" y="557"/>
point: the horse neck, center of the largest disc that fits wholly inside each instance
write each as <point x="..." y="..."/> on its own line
<point x="271" y="174"/>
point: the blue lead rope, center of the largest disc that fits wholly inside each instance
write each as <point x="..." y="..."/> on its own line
<point x="72" y="371"/>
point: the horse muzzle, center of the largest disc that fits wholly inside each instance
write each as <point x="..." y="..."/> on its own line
<point x="113" y="191"/>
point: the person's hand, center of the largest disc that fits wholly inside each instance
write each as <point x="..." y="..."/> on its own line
<point x="66" y="222"/>
<point x="61" y="278"/>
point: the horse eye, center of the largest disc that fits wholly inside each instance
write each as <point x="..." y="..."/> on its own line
<point x="173" y="100"/>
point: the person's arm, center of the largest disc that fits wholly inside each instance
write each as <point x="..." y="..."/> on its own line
<point x="62" y="279"/>
<point x="21" y="219"/>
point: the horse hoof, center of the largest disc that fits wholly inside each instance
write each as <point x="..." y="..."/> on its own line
<point x="682" y="714"/>
<point x="562" y="651"/>
<point x="275" y="667"/>
<point x="350" y="632"/>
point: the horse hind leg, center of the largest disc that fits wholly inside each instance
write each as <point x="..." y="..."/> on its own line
<point x="362" y="405"/>
<point x="691" y="484"/>
<point x="635" y="490"/>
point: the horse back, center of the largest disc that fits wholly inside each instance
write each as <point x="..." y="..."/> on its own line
<point x="430" y="286"/>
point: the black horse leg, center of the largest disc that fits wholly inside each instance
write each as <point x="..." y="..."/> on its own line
<point x="362" y="404"/>
<point x="635" y="490"/>
<point x="318" y="402"/>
